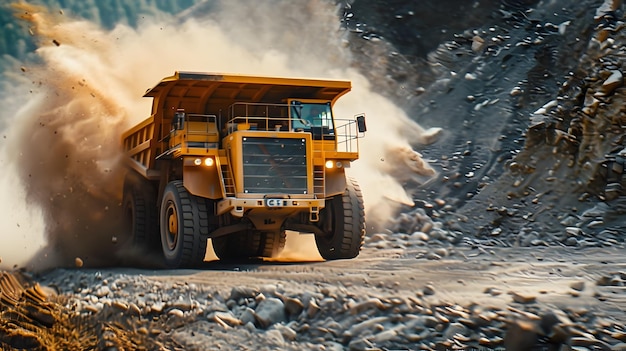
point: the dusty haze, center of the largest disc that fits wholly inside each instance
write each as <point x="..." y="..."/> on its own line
<point x="88" y="90"/>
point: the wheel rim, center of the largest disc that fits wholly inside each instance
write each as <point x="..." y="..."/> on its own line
<point x="172" y="225"/>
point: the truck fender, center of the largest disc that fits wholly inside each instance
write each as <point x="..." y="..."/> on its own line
<point x="335" y="183"/>
<point x="203" y="181"/>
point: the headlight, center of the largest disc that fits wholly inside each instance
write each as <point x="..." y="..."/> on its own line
<point x="209" y="161"/>
<point x="333" y="164"/>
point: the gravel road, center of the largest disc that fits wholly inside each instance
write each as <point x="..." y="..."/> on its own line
<point x="387" y="299"/>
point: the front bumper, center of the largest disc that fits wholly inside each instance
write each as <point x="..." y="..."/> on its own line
<point x="238" y="207"/>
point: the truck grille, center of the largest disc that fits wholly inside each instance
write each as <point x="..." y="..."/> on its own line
<point x="274" y="165"/>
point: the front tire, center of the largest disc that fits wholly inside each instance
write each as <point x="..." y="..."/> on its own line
<point x="343" y="224"/>
<point x="184" y="227"/>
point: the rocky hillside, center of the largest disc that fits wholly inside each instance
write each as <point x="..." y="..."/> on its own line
<point x="531" y="97"/>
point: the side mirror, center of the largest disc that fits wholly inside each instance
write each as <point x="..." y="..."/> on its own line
<point x="360" y="122"/>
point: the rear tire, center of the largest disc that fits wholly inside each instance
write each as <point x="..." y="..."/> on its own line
<point x="140" y="213"/>
<point x="272" y="243"/>
<point x="239" y="245"/>
<point x="343" y="224"/>
<point x="251" y="243"/>
<point x="184" y="222"/>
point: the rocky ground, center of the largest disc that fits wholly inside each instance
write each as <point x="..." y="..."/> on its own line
<point x="406" y="299"/>
<point x="518" y="243"/>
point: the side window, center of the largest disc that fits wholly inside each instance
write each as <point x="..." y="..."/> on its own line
<point x="299" y="116"/>
<point x="325" y="117"/>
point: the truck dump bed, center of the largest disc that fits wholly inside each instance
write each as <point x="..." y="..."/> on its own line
<point x="208" y="94"/>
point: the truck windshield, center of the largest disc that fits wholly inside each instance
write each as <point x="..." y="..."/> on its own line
<point x="313" y="117"/>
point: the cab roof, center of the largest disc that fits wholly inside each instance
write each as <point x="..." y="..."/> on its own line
<point x="207" y="91"/>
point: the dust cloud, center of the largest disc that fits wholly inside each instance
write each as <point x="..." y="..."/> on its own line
<point x="87" y="90"/>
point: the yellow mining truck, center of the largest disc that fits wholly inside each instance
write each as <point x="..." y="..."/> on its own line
<point x="239" y="160"/>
